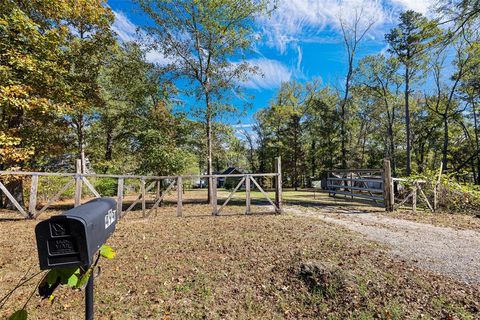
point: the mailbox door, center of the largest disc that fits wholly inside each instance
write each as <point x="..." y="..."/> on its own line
<point x="62" y="243"/>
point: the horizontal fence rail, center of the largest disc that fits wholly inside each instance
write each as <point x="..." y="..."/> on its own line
<point x="116" y="176"/>
<point x="147" y="183"/>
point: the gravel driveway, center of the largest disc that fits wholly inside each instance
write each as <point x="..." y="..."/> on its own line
<point x="454" y="253"/>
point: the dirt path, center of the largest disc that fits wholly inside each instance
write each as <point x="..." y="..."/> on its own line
<point x="454" y="253"/>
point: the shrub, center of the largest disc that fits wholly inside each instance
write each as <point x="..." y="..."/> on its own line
<point x="231" y="183"/>
<point x="452" y="196"/>
<point x="106" y="186"/>
<point x="456" y="197"/>
<point x="49" y="186"/>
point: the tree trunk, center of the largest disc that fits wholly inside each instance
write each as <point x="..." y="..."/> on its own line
<point x="392" y="149"/>
<point x="15" y="186"/>
<point x="342" y="134"/>
<point x="209" y="143"/>
<point x="16" y="189"/>
<point x="474" y="171"/>
<point x="477" y="141"/>
<point x="445" y="140"/>
<point x="251" y="153"/>
<point x="109" y="146"/>
<point x="343" y="127"/>
<point x="296" y="151"/>
<point x="313" y="160"/>
<point x="407" y="121"/>
<point x="421" y="165"/>
<point x="252" y="160"/>
<point x="79" y="123"/>
<point x="478" y="167"/>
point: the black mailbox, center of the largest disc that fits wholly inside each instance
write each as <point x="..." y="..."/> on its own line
<point x="72" y="238"/>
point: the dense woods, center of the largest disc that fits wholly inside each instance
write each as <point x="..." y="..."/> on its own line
<point x="69" y="88"/>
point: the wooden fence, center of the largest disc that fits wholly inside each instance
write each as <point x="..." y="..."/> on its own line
<point x="79" y="179"/>
<point x="374" y="185"/>
<point x="416" y="191"/>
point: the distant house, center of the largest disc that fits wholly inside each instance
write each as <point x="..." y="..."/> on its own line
<point x="65" y="163"/>
<point x="223" y="181"/>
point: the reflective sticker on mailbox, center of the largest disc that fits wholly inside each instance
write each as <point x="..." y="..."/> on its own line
<point x="110" y="217"/>
<point x="58" y="229"/>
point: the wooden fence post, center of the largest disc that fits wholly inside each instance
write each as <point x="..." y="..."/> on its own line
<point x="120" y="197"/>
<point x="157" y="194"/>
<point x="247" y="194"/>
<point x="78" y="183"/>
<point x="32" y="203"/>
<point x="214" y="196"/>
<point x="278" y="184"/>
<point x="389" y="196"/>
<point x="179" y="196"/>
<point x="142" y="189"/>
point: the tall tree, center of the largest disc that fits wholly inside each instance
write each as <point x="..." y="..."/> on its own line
<point x="409" y="42"/>
<point x="32" y="86"/>
<point x="158" y="146"/>
<point x="202" y="39"/>
<point x="444" y="102"/>
<point x="90" y="36"/>
<point x="460" y="15"/>
<point x="282" y="129"/>
<point x="322" y="124"/>
<point x="250" y="140"/>
<point x="354" y="29"/>
<point x="130" y="88"/>
<point x="377" y="78"/>
<point x="470" y="92"/>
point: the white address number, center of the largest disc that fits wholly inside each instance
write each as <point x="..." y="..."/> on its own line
<point x="110" y="217"/>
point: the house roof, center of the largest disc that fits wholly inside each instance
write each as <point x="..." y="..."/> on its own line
<point x="232" y="170"/>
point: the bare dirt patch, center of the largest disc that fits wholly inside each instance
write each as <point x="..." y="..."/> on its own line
<point x="238" y="266"/>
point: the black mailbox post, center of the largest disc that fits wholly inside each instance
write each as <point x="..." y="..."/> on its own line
<point x="72" y="239"/>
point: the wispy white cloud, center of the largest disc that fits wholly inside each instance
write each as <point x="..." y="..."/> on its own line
<point x="272" y="74"/>
<point x="422" y="6"/>
<point x="242" y="125"/>
<point x="124" y="28"/>
<point x="299" y="58"/>
<point x="157" y="57"/>
<point x="127" y="31"/>
<point x="302" y="21"/>
<point x="298" y="20"/>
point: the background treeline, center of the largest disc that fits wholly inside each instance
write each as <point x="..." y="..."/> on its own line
<point x="70" y="89"/>
<point x="417" y="104"/>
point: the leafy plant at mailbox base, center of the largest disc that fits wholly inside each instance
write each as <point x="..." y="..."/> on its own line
<point x="76" y="278"/>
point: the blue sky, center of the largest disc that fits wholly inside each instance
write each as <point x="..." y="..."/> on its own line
<point x="300" y="41"/>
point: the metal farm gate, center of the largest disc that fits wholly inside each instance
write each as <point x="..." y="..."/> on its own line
<point x="372" y="185"/>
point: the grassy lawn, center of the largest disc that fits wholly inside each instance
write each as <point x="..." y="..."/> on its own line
<point x="240" y="267"/>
